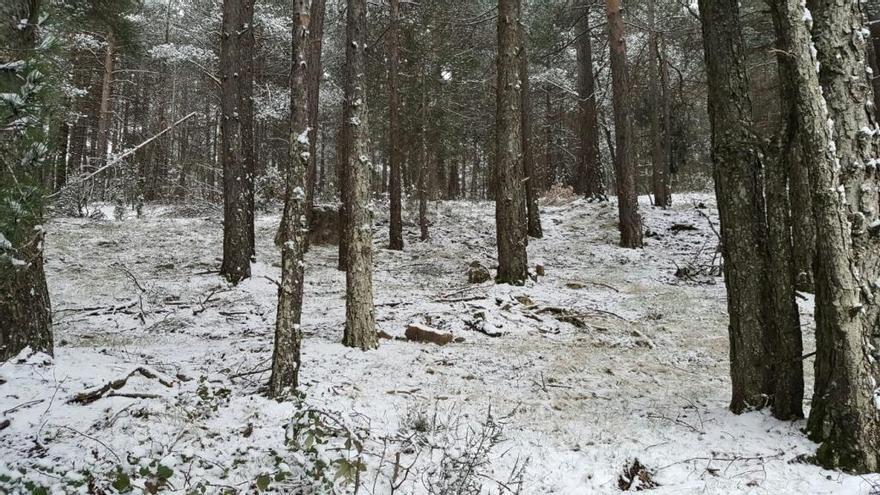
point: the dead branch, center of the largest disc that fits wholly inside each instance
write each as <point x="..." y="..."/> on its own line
<point x="106" y="390"/>
<point x="124" y="155"/>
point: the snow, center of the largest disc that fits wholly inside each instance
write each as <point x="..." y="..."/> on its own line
<point x="645" y="377"/>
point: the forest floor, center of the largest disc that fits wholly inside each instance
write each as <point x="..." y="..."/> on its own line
<point x="608" y="358"/>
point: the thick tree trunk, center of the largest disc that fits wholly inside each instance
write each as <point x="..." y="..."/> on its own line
<point x="246" y="102"/>
<point x="589" y="175"/>
<point x="625" y="170"/>
<point x="237" y="212"/>
<point x="844" y="416"/>
<point x="25" y="313"/>
<point x="510" y="196"/>
<point x="395" y="234"/>
<point x="533" y="220"/>
<point x="286" y="355"/>
<point x="360" y="324"/>
<point x="738" y="188"/>
<point x="783" y="323"/>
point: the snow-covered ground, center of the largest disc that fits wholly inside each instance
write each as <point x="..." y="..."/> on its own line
<point x="607" y="358"/>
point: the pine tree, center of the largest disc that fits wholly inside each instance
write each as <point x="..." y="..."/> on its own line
<point x="589" y="174"/>
<point x="395" y="226"/>
<point x="25" y="313"/>
<point x="845" y="190"/>
<point x="237" y="175"/>
<point x="286" y="356"/>
<point x="627" y="196"/>
<point x="360" y="323"/>
<point x="510" y="196"/>
<point x="739" y="190"/>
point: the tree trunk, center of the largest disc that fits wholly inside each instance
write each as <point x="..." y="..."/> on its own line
<point x="844" y="416"/>
<point x="237" y="23"/>
<point x="802" y="225"/>
<point x="549" y="133"/>
<point x="316" y="42"/>
<point x="625" y="170"/>
<point x="360" y="324"/>
<point x="343" y="145"/>
<point x="61" y="155"/>
<point x="286" y="355"/>
<point x="248" y="144"/>
<point x="873" y="52"/>
<point x="659" y="159"/>
<point x="533" y="225"/>
<point x="783" y="323"/>
<point x="423" y="166"/>
<point x="25" y="312"/>
<point x="510" y="196"/>
<point x="589" y="175"/>
<point x="395" y="233"/>
<point x="738" y="188"/>
<point x="106" y="106"/>
<point x="667" y="122"/>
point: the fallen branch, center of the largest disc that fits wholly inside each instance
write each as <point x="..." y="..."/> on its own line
<point x="23" y="405"/>
<point x="124" y="155"/>
<point x="475" y="326"/>
<point x="89" y="396"/>
<point x="461" y="299"/>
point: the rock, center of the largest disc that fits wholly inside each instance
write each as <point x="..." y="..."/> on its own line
<point x="539" y="270"/>
<point x="477" y="273"/>
<point x="422" y="333"/>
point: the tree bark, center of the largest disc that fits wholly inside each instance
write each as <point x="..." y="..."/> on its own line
<point x="533" y="225"/>
<point x="738" y="188"/>
<point x="783" y="322"/>
<point x="248" y="143"/>
<point x="360" y="324"/>
<point x="395" y="233"/>
<point x="839" y="147"/>
<point x="237" y="204"/>
<point x="106" y="107"/>
<point x="510" y="196"/>
<point x="659" y="158"/>
<point x="316" y="42"/>
<point x="288" y="337"/>
<point x="589" y="176"/>
<point x="627" y="195"/>
<point x="423" y="166"/>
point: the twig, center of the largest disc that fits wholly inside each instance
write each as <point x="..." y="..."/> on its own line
<point x="93" y="439"/>
<point x="22" y="405"/>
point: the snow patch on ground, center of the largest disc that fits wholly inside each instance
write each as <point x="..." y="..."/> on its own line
<point x="608" y="358"/>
